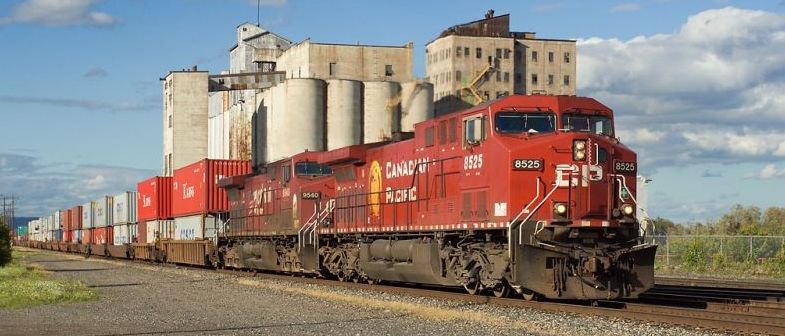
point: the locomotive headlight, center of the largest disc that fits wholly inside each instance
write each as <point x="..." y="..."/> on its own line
<point x="578" y="150"/>
<point x="627" y="209"/>
<point x="560" y="208"/>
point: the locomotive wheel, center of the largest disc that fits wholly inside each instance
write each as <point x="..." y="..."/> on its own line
<point x="501" y="290"/>
<point x="530" y="295"/>
<point x="473" y="287"/>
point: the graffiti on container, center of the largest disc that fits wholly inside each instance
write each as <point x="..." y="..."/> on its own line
<point x="187" y="234"/>
<point x="146" y="201"/>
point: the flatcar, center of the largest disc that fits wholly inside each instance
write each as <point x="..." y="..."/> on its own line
<point x="533" y="194"/>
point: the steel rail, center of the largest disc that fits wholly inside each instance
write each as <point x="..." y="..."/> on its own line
<point x="716" y="316"/>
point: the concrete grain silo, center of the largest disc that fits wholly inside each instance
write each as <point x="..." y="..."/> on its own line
<point x="295" y="118"/>
<point x="381" y="108"/>
<point x="416" y="103"/>
<point x="344" y="113"/>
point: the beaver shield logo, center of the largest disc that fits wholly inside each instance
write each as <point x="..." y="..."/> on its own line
<point x="374" y="188"/>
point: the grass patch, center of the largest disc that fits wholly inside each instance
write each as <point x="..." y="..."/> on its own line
<point x="23" y="286"/>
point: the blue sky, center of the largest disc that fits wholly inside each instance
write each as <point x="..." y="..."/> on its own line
<point x="696" y="85"/>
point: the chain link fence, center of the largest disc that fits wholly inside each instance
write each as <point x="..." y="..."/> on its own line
<point x="695" y="249"/>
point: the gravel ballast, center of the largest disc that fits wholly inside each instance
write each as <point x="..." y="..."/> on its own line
<point x="137" y="298"/>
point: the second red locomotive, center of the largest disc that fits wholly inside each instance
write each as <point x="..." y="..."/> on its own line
<point x="527" y="193"/>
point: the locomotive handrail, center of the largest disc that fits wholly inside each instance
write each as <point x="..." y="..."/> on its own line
<point x="526" y="208"/>
<point x="300" y="234"/>
<point x="531" y="213"/>
<point x="623" y="183"/>
<point x="330" y="206"/>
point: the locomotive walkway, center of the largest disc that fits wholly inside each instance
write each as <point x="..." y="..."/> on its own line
<point x="138" y="298"/>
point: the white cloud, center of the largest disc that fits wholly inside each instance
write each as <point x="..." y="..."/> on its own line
<point x="626" y="7"/>
<point x="58" y="13"/>
<point x="44" y="188"/>
<point x="640" y="136"/>
<point x="710" y="92"/>
<point x="769" y="171"/>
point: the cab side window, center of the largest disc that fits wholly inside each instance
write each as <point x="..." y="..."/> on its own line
<point x="474" y="130"/>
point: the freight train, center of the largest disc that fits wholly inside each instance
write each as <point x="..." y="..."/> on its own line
<point x="526" y="194"/>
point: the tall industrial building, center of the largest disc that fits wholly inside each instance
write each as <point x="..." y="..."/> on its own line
<point x="185" y="119"/>
<point x="481" y="60"/>
<point x="347" y="61"/>
<point x="353" y="67"/>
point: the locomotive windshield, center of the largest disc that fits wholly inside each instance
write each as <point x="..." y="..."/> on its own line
<point x="311" y="168"/>
<point x="587" y="123"/>
<point x="519" y="122"/>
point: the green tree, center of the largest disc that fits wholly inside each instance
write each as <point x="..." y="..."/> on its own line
<point x="5" y="244"/>
<point x="774" y="221"/>
<point x="740" y="220"/>
<point x="664" y="226"/>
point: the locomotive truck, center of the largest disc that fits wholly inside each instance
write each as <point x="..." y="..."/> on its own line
<point x="533" y="194"/>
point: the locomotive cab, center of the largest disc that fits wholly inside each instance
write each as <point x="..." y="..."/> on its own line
<point x="569" y="199"/>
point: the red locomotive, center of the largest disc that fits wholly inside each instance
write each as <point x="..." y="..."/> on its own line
<point x="526" y="193"/>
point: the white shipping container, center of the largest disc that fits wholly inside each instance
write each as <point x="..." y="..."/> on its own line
<point x="124" y="209"/>
<point x="58" y="220"/>
<point x="87" y="215"/>
<point x="102" y="212"/>
<point x="189" y="228"/>
<point x="151" y="230"/>
<point x="121" y="234"/>
<point x="163" y="229"/>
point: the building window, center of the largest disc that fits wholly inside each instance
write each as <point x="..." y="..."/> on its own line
<point x="534" y="79"/>
<point x="534" y="56"/>
<point x="457" y="75"/>
<point x="388" y="71"/>
<point x="550" y="79"/>
<point x="550" y="56"/>
<point x="566" y="80"/>
<point x="332" y="69"/>
<point x="458" y="51"/>
<point x="170" y="121"/>
<point x="479" y="52"/>
<point x="518" y="78"/>
<point x="506" y="53"/>
<point x="506" y="77"/>
<point x="498" y="53"/>
<point x="566" y="57"/>
<point x="498" y="76"/>
<point x="466" y="51"/>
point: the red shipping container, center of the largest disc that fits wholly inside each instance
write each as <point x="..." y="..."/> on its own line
<point x="68" y="235"/>
<point x="87" y="236"/>
<point x="66" y="214"/>
<point x="154" y="198"/>
<point x="195" y="190"/>
<point x="75" y="218"/>
<point x="103" y="235"/>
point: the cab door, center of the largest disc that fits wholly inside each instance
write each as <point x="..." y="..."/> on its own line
<point x="474" y="179"/>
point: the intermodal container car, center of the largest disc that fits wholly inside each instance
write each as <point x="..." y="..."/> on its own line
<point x="154" y="198"/>
<point x="87" y="215"/>
<point x="124" y="210"/>
<point x="102" y="235"/>
<point x="195" y="190"/>
<point x="102" y="212"/>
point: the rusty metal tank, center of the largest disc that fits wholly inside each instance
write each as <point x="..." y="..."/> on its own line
<point x="381" y="108"/>
<point x="416" y="103"/>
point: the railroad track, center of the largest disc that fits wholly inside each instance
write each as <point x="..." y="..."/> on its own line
<point x="685" y="308"/>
